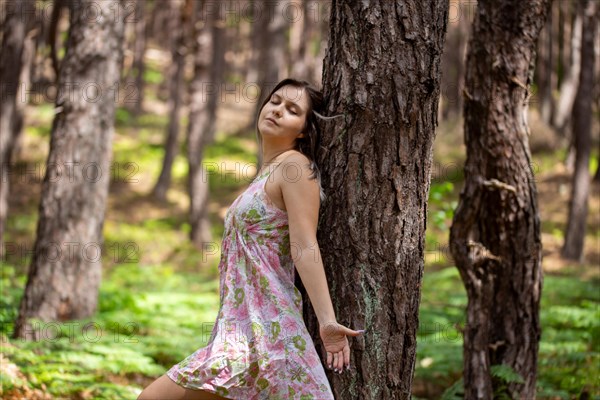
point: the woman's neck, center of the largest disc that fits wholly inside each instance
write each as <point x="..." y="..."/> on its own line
<point x="269" y="155"/>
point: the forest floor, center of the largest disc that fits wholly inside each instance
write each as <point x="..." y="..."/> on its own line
<point x="159" y="292"/>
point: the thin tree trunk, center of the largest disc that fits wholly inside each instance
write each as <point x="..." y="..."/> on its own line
<point x="272" y="26"/>
<point x="545" y="72"/>
<point x="204" y="96"/>
<point x="29" y="53"/>
<point x="57" y="7"/>
<point x="323" y="29"/>
<point x="568" y="87"/>
<point x="162" y="13"/>
<point x="298" y="42"/>
<point x="255" y="37"/>
<point x="65" y="272"/>
<point x="453" y="63"/>
<point x="311" y="27"/>
<point x="138" y="55"/>
<point x="582" y="118"/>
<point x="495" y="236"/>
<point x="179" y="51"/>
<point x="17" y="25"/>
<point x="463" y="31"/>
<point x="166" y="23"/>
<point x="383" y="75"/>
<point x="243" y="47"/>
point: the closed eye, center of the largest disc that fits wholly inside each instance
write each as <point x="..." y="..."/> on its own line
<point x="275" y="99"/>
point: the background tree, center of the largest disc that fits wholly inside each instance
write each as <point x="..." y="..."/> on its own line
<point x="65" y="272"/>
<point x="383" y="75"/>
<point x="453" y="61"/>
<point x="545" y="74"/>
<point x="139" y="67"/>
<point x="495" y="234"/>
<point x="581" y="123"/>
<point x="57" y="8"/>
<point x="302" y="37"/>
<point x="270" y="27"/>
<point x="204" y="99"/>
<point x="571" y="64"/>
<point x="180" y="18"/>
<point x="17" y="26"/>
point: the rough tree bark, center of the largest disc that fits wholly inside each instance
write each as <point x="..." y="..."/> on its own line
<point x="65" y="272"/>
<point x="382" y="72"/>
<point x="495" y="234"/>
<point x="18" y="23"/>
<point x="204" y="97"/>
<point x="581" y="122"/>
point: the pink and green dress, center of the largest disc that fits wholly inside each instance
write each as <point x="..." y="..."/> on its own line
<point x="259" y="347"/>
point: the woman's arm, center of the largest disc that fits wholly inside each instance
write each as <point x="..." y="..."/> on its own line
<point x="301" y="198"/>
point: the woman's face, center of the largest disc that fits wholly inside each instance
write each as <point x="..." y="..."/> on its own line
<point x="284" y="115"/>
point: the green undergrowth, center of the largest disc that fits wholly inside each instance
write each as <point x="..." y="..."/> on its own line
<point x="159" y="295"/>
<point x="569" y="355"/>
<point x="148" y="319"/>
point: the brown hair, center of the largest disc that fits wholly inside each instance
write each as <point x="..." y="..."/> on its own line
<point x="310" y="144"/>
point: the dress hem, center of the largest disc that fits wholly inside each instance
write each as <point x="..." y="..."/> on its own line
<point x="201" y="389"/>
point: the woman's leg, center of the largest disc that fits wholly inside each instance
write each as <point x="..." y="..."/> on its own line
<point x="165" y="389"/>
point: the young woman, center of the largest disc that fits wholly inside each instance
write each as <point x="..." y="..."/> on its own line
<point x="259" y="347"/>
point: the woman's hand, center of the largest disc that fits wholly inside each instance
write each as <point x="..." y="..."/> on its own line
<point x="336" y="345"/>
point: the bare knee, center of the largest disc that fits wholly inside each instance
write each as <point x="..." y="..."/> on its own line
<point x="162" y="388"/>
<point x="165" y="389"/>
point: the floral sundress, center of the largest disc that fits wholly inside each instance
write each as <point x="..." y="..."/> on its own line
<point x="259" y="347"/>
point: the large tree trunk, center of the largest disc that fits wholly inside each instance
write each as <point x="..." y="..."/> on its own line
<point x="582" y="119"/>
<point x="178" y="51"/>
<point x="383" y="75"/>
<point x="66" y="270"/>
<point x="495" y="235"/>
<point x="204" y="97"/>
<point x="18" y="23"/>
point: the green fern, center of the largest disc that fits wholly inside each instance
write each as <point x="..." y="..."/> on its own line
<point x="506" y="374"/>
<point x="454" y="392"/>
<point x="502" y="374"/>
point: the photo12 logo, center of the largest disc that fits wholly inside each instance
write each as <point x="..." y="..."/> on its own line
<point x="71" y="171"/>
<point x="90" y="332"/>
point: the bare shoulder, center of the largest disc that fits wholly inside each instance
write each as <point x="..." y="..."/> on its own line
<point x="295" y="167"/>
<point x="300" y="192"/>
